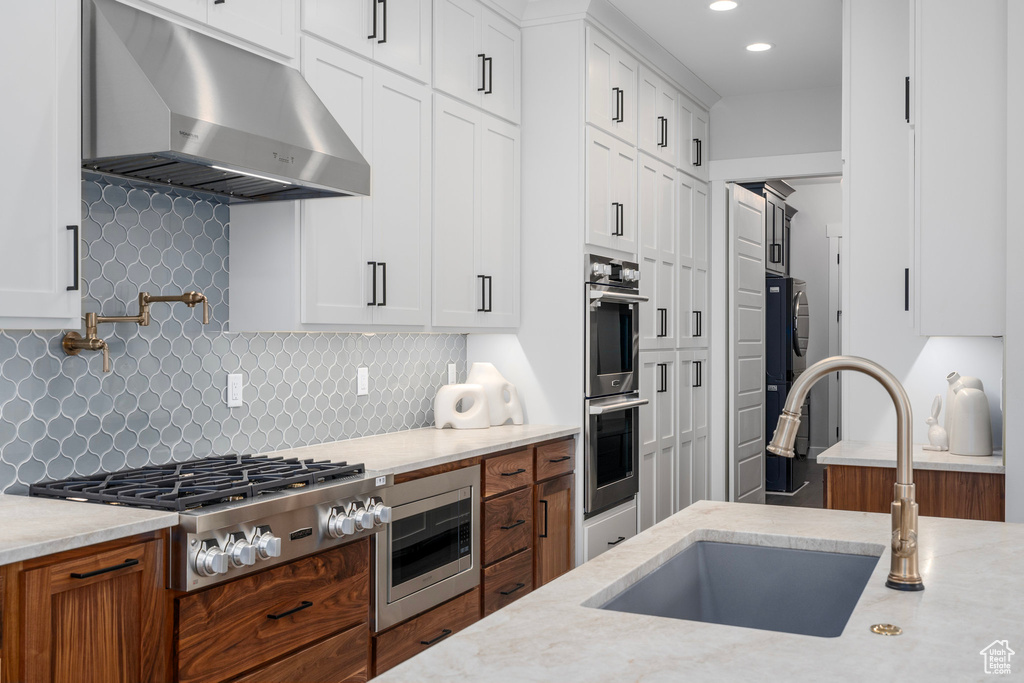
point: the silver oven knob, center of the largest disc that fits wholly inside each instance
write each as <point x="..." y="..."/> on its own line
<point x="375" y="514"/>
<point x="210" y="560"/>
<point x="241" y="552"/>
<point x="266" y="543"/>
<point x="597" y="269"/>
<point x="341" y="524"/>
<point x="382" y="513"/>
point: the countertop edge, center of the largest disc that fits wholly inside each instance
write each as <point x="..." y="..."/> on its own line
<point x="86" y="538"/>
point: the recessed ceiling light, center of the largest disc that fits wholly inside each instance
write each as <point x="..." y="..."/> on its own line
<point x="759" y="47"/>
<point x="722" y="5"/>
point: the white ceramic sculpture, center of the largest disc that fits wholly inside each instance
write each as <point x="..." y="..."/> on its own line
<point x="972" y="425"/>
<point x="502" y="397"/>
<point x="938" y="440"/>
<point x="956" y="382"/>
<point x="474" y="413"/>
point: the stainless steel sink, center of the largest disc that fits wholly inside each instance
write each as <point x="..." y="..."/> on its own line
<point x="773" y="589"/>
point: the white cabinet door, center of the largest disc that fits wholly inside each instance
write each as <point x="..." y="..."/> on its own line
<point x="336" y="233"/>
<point x="608" y="530"/>
<point x="692" y="144"/>
<point x="611" y="192"/>
<point x="656" y="117"/>
<point x="701" y="139"/>
<point x="401" y="199"/>
<point x="267" y="23"/>
<point x="611" y="87"/>
<point x="501" y="45"/>
<point x="650" y="439"/>
<point x="666" y="396"/>
<point x="700" y="303"/>
<point x="684" y="413"/>
<point x="701" y="470"/>
<point x="685" y="198"/>
<point x="623" y="184"/>
<point x="347" y="23"/>
<point x="403" y="37"/>
<point x="42" y="192"/>
<point x="658" y="245"/>
<point x="458" y="68"/>
<point x="499" y="222"/>
<point x="193" y="9"/>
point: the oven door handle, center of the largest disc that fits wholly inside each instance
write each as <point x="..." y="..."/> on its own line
<point x="618" y="297"/>
<point x="617" y="407"/>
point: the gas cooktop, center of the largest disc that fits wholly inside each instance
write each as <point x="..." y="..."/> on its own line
<point x="198" y="483"/>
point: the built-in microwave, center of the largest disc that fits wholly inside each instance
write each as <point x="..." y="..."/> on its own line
<point x="430" y="551"/>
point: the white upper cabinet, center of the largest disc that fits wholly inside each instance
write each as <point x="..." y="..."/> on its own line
<point x="395" y="34"/>
<point x="660" y="466"/>
<point x="476" y="218"/>
<point x="693" y="138"/>
<point x="694" y="260"/>
<point x="39" y="275"/>
<point x="477" y="57"/>
<point x="960" y="234"/>
<point x="268" y="23"/>
<point x="656" y="117"/>
<point x="656" y="205"/>
<point x="611" y="192"/>
<point x="611" y="87"/>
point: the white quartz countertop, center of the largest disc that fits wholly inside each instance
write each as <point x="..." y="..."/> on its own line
<point x="419" y="448"/>
<point x="883" y="454"/>
<point x="974" y="595"/>
<point x="32" y="527"/>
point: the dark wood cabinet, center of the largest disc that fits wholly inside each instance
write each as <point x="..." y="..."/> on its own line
<point x="940" y="493"/>
<point x="93" y="614"/>
<point x="338" y="659"/>
<point x="508" y="525"/>
<point x="409" y="638"/>
<point x="553" y="548"/>
<point x="506" y="581"/>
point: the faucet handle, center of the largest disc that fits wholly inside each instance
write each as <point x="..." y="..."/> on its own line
<point x="206" y="310"/>
<point x="106" y="356"/>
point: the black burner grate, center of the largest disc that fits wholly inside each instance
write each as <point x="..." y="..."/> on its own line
<point x="193" y="484"/>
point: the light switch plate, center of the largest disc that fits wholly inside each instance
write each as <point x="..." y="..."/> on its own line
<point x="362" y="381"/>
<point x="452" y="379"/>
<point x="234" y="393"/>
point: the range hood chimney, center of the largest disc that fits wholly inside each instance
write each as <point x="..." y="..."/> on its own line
<point x="164" y="104"/>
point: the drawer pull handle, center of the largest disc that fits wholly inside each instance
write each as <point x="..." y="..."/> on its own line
<point x="513" y="526"/>
<point x="303" y="605"/>
<point x="545" y="504"/>
<point x="562" y="459"/>
<point x="621" y="539"/>
<point x="512" y="474"/>
<point x="444" y="634"/>
<point x="518" y="587"/>
<point x="89" y="575"/>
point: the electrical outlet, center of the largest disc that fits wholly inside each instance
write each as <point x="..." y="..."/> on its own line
<point x="362" y="381"/>
<point x="234" y="393"/>
<point x="452" y="379"/>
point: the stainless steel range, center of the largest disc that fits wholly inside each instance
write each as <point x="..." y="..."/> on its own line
<point x="240" y="514"/>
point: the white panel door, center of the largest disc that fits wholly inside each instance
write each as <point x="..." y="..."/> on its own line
<point x="746" y="346"/>
<point x="401" y="199"/>
<point x="623" y="183"/>
<point x="647" y="215"/>
<point x="348" y="23"/>
<point x="499" y="221"/>
<point x="700" y="303"/>
<point x="458" y="292"/>
<point x="665" y="397"/>
<point x="403" y="37"/>
<point x="701" y="140"/>
<point x="650" y="439"/>
<point x="692" y="145"/>
<point x="684" y="416"/>
<point x="649" y="128"/>
<point x="685" y="198"/>
<point x="668" y="114"/>
<point x="41" y="192"/>
<point x="336" y="233"/>
<point x="611" y="87"/>
<point x="701" y="471"/>
<point x="501" y="45"/>
<point x="267" y="23"/>
<point x="458" y="70"/>
<point x="602" y="208"/>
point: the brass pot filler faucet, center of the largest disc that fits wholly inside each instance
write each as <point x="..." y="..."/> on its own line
<point x="903" y="571"/>
<point x="74" y="343"/>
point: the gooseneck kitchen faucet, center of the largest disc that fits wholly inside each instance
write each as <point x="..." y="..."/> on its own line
<point x="903" y="571"/>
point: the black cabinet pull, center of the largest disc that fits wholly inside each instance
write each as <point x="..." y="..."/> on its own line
<point x="700" y="374"/>
<point x="697" y="151"/>
<point x="698" y="324"/>
<point x="490" y="292"/>
<point x="383" y="284"/>
<point x="218" y="2"/>
<point x="444" y="634"/>
<point x="617" y="230"/>
<point x="618" y="105"/>
<point x="906" y="289"/>
<point x="621" y="539"/>
<point x="773" y="255"/>
<point x="489" y="63"/>
<point x="562" y="459"/>
<point x="305" y="604"/>
<point x="661" y="131"/>
<point x="483" y="72"/>
<point x="373" y="8"/>
<point x="483" y="294"/>
<point x="664" y="128"/>
<point x="545" y="504"/>
<point x="512" y="474"/>
<point x="89" y="575"/>
<point x="662" y="378"/>
<point x="74" y="259"/>
<point x="906" y="99"/>
<point x="622" y="105"/>
<point x="373" y="269"/>
<point x="662" y="322"/>
<point x="622" y="219"/>
<point x="519" y="586"/>
<point x="384" y="27"/>
<point x="518" y="522"/>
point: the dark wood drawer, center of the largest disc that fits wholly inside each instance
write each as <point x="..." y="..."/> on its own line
<point x="228" y="629"/>
<point x="507" y="472"/>
<point x="555" y="459"/>
<point x="508" y="524"/>
<point x="339" y="659"/>
<point x="393" y="647"/>
<point x="507" y="581"/>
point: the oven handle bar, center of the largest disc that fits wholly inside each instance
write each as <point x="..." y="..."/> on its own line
<point x="617" y="297"/>
<point x="616" y="407"/>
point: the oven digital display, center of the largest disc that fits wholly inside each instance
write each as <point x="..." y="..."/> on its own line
<point x="424" y="542"/>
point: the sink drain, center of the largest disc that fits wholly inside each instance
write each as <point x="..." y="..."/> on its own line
<point x="886" y="629"/>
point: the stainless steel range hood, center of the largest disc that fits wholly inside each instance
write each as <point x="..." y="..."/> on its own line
<point x="168" y="105"/>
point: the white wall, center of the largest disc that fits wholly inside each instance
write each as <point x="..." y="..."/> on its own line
<point x="818" y="202"/>
<point x="776" y="123"/>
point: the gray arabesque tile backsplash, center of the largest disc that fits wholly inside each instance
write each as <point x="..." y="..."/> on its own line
<point x="61" y="416"/>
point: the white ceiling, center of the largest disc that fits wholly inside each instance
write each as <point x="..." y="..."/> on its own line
<point x="806" y="34"/>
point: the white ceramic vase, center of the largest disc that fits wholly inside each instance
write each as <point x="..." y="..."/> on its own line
<point x="502" y="397"/>
<point x="956" y="382"/>
<point x="972" y="425"/>
<point x="474" y="414"/>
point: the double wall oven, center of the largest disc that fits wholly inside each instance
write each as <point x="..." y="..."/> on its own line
<point x="612" y="392"/>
